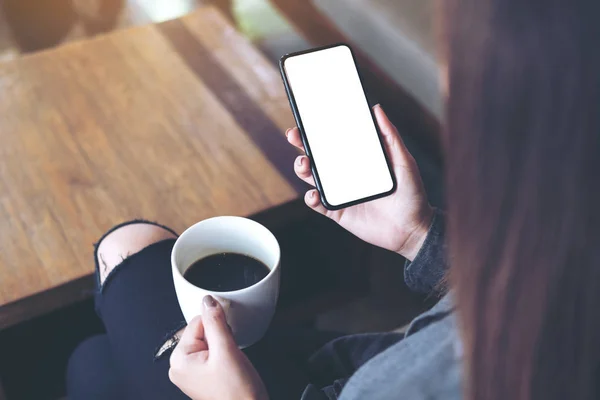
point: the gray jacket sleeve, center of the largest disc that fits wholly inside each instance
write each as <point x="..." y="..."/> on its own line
<point x="427" y="271"/>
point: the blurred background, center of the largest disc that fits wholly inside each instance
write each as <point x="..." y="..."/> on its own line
<point x="32" y="25"/>
<point x="398" y="35"/>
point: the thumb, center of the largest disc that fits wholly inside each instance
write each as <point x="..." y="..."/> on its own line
<point x="397" y="151"/>
<point x="217" y="332"/>
<point x="192" y="340"/>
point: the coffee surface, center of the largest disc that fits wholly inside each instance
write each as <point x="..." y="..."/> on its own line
<point x="226" y="272"/>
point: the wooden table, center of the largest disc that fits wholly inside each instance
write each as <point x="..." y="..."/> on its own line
<point x="173" y="122"/>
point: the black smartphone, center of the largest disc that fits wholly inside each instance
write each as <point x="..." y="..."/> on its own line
<point x="338" y="127"/>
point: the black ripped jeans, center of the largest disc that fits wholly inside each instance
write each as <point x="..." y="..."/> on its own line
<point x="138" y="306"/>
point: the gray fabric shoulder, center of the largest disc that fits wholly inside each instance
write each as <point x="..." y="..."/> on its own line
<point x="425" y="365"/>
<point x="438" y="312"/>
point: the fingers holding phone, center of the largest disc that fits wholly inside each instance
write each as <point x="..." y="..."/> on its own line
<point x="399" y="155"/>
<point x="293" y="136"/>
<point x="303" y="170"/>
<point x="398" y="222"/>
<point x="302" y="162"/>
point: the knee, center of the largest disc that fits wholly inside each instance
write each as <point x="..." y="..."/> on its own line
<point x="126" y="241"/>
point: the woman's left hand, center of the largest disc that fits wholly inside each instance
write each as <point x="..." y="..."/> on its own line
<point x="208" y="365"/>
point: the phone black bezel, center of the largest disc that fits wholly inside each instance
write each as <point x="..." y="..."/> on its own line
<point x="298" y="119"/>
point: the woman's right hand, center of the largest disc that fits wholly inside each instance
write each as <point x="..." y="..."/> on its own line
<point x="398" y="222"/>
<point x="207" y="363"/>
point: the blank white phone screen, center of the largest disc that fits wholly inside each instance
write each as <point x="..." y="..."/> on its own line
<point x="338" y="125"/>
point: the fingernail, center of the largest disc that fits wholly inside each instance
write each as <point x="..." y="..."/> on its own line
<point x="300" y="161"/>
<point x="379" y="105"/>
<point x="209" y="301"/>
<point x="312" y="194"/>
<point x="288" y="132"/>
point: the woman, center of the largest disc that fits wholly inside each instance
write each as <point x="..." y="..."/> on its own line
<point x="520" y="319"/>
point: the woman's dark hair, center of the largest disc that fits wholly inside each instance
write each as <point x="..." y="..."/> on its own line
<point x="523" y="156"/>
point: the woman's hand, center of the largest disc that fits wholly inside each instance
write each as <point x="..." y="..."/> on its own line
<point x="208" y="365"/>
<point x="398" y="222"/>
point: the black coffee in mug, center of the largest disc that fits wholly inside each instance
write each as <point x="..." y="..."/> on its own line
<point x="226" y="272"/>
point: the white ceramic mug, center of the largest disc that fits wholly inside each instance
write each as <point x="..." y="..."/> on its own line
<point x="250" y="310"/>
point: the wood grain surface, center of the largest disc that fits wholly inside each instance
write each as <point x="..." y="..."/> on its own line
<point x="173" y="123"/>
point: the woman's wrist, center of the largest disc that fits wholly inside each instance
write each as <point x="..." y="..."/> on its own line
<point x="416" y="238"/>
